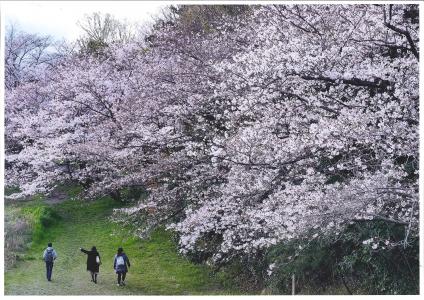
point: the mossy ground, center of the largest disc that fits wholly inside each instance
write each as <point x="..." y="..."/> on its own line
<point x="156" y="266"/>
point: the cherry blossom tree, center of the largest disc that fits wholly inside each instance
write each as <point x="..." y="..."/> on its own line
<point x="26" y="56"/>
<point x="315" y="129"/>
<point x="252" y="127"/>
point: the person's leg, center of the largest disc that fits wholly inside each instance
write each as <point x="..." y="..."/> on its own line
<point x="92" y="275"/>
<point x="47" y="270"/>
<point x="119" y="278"/>
<point x="95" y="277"/>
<point x="123" y="277"/>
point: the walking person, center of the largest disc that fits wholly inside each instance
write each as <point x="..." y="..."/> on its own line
<point x="121" y="264"/>
<point x="49" y="257"/>
<point x="93" y="262"/>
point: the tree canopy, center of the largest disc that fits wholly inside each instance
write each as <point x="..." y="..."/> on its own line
<point x="249" y="126"/>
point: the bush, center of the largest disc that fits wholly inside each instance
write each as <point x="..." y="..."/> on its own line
<point x="245" y="272"/>
<point x="387" y="269"/>
<point x="311" y="262"/>
<point x="346" y="263"/>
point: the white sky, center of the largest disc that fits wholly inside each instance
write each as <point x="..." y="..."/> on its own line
<point x="59" y="18"/>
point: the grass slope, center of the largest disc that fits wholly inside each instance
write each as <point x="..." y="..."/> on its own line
<point x="156" y="267"/>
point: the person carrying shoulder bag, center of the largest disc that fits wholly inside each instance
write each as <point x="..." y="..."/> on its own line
<point x="121" y="264"/>
<point x="93" y="262"/>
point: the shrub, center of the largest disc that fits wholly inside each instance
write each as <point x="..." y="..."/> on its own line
<point x="348" y="261"/>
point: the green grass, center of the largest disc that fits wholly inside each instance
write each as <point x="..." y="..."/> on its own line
<point x="40" y="218"/>
<point x="156" y="266"/>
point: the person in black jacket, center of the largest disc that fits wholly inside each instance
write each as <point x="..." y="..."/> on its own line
<point x="93" y="262"/>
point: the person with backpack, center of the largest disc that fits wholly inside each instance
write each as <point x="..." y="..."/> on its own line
<point x="49" y="257"/>
<point x="93" y="262"/>
<point x="121" y="264"/>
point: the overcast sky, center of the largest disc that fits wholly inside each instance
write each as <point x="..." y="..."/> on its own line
<point x="59" y="18"/>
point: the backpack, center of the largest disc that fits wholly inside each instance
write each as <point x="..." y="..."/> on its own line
<point x="49" y="256"/>
<point x="120" y="261"/>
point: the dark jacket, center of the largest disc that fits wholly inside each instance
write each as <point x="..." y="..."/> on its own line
<point x="124" y="268"/>
<point x="91" y="260"/>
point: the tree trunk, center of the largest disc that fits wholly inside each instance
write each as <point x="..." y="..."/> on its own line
<point x="116" y="195"/>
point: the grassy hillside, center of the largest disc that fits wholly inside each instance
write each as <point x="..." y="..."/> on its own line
<point x="156" y="267"/>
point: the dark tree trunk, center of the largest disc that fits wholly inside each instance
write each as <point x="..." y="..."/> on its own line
<point x="116" y="195"/>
